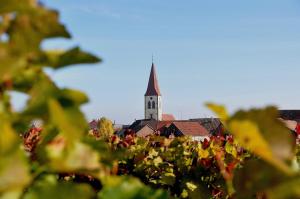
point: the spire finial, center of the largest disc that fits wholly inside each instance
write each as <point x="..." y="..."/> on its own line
<point x="152" y="58"/>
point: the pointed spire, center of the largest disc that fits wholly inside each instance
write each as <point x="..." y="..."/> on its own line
<point x="153" y="87"/>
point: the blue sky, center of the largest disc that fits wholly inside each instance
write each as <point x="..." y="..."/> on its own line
<point x="234" y="52"/>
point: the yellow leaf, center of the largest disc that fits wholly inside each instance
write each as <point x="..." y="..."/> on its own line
<point x="248" y="135"/>
<point x="8" y="138"/>
<point x="219" y="110"/>
<point x="203" y="153"/>
<point x="191" y="186"/>
<point x="14" y="168"/>
<point x="157" y="161"/>
<point x="153" y="153"/>
<point x="215" y="148"/>
<point x="229" y="148"/>
<point x="184" y="194"/>
<point x="14" y="172"/>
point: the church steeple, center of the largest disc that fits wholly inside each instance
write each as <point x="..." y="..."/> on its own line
<point x="153" y="87"/>
<point x="153" y="99"/>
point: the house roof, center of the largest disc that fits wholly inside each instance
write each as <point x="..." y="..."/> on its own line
<point x="138" y="124"/>
<point x="162" y="124"/>
<point x="145" y="131"/>
<point x="93" y="124"/>
<point x="168" y="117"/>
<point x="191" y="128"/>
<point x="211" y="124"/>
<point x="154" y="124"/>
<point x="290" y="114"/>
<point x="153" y="87"/>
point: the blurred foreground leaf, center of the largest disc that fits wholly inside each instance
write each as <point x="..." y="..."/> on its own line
<point x="256" y="176"/>
<point x="129" y="188"/>
<point x="49" y="188"/>
<point x="262" y="133"/>
<point x="286" y="190"/>
<point x="58" y="59"/>
<point x="13" y="5"/>
<point x="14" y="168"/>
<point x="219" y="110"/>
<point x="63" y="122"/>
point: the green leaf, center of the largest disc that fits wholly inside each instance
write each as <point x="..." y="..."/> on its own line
<point x="49" y="188"/>
<point x="128" y="188"/>
<point x="60" y="59"/>
<point x="28" y="30"/>
<point x="72" y="96"/>
<point x="9" y="140"/>
<point x="37" y="105"/>
<point x="62" y="121"/>
<point x="13" y="163"/>
<point x="15" y="62"/>
<point x="256" y="176"/>
<point x="286" y="190"/>
<point x="13" y="5"/>
<point x="168" y="179"/>
<point x="14" y="173"/>
<point x="24" y="79"/>
<point x="67" y="98"/>
<point x="66" y="153"/>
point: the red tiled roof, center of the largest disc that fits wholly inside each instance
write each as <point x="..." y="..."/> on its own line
<point x="162" y="124"/>
<point x="168" y="117"/>
<point x="153" y="87"/>
<point x="93" y="124"/>
<point x="191" y="128"/>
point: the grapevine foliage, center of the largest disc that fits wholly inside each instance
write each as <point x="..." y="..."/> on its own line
<point x="64" y="160"/>
<point x="184" y="167"/>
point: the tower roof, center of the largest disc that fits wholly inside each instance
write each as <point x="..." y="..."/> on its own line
<point x="153" y="87"/>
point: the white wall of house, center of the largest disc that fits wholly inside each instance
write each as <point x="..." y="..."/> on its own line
<point x="200" y="138"/>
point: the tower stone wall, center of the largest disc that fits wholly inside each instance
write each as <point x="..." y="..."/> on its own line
<point x="153" y="107"/>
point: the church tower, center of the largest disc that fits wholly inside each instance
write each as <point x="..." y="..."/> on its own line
<point x="153" y="100"/>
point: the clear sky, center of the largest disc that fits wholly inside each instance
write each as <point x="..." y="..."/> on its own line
<point x="235" y="52"/>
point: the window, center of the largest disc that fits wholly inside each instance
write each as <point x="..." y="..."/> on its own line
<point x="149" y="105"/>
<point x="153" y="105"/>
<point x="151" y="116"/>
